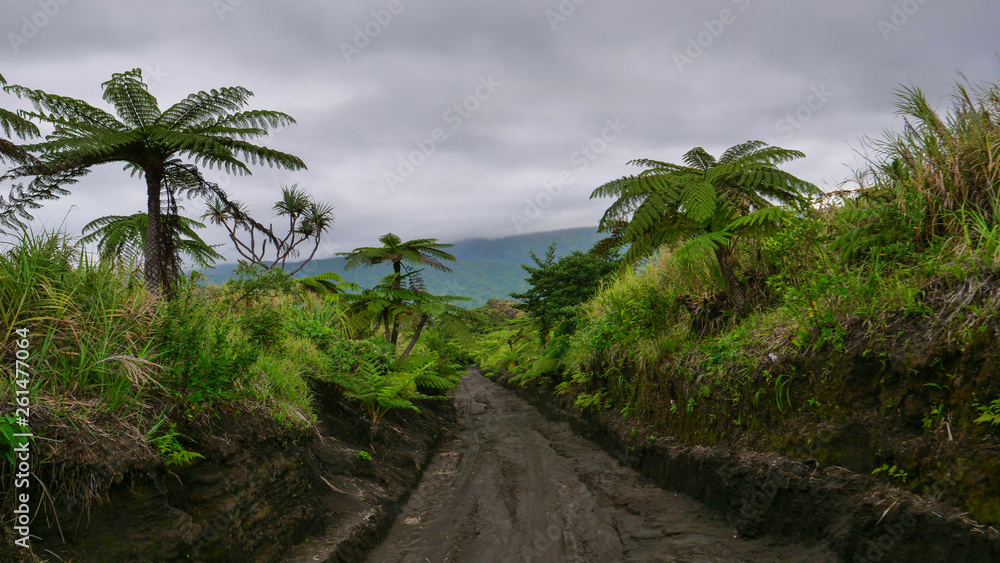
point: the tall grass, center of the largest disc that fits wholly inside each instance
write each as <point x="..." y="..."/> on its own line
<point x="89" y="324"/>
<point x="951" y="160"/>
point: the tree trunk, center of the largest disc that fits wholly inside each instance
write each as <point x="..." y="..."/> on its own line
<point x="385" y="323"/>
<point x="154" y="259"/>
<point x="395" y="320"/>
<point x="733" y="289"/>
<point x="416" y="336"/>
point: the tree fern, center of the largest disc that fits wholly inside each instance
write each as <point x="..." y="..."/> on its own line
<point x="703" y="201"/>
<point x="401" y="255"/>
<point x="122" y="238"/>
<point x="166" y="148"/>
<point x="328" y="283"/>
<point x="380" y="393"/>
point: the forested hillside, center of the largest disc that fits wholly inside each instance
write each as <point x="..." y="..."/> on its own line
<point x="486" y="268"/>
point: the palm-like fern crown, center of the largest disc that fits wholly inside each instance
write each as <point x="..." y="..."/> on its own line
<point x="208" y="128"/>
<point x="13" y="125"/>
<point x="418" y="252"/>
<point x="123" y="238"/>
<point x="703" y="195"/>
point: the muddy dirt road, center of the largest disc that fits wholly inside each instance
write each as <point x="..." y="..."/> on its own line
<point x="512" y="486"/>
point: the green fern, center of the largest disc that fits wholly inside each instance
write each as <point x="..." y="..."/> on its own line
<point x="170" y="448"/>
<point x="328" y="283"/>
<point x="206" y="129"/>
<point x="381" y="393"/>
<point x="122" y="239"/>
<point x="710" y="202"/>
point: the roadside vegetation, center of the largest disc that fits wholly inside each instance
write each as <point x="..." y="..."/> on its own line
<point x="123" y="344"/>
<point x="855" y="328"/>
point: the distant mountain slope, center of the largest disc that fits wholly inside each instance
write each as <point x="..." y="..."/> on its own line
<point x="486" y="268"/>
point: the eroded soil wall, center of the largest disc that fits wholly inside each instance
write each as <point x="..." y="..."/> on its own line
<point x="259" y="490"/>
<point x="759" y="494"/>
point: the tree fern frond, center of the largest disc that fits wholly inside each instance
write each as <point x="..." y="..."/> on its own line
<point x="740" y="151"/>
<point x="71" y="109"/>
<point x="204" y="109"/>
<point x="262" y="155"/>
<point x="130" y="97"/>
<point x="761" y="220"/>
<point x="13" y="125"/>
<point x="658" y="165"/>
<point x="699" y="158"/>
<point x="253" y="120"/>
<point x="705" y="244"/>
<point x="698" y="201"/>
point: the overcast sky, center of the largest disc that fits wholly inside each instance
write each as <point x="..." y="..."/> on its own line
<point x="459" y="119"/>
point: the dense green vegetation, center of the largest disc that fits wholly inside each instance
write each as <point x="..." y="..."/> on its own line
<point x="867" y="323"/>
<point x="485" y="269"/>
<point x="206" y="128"/>
<point x="559" y="287"/>
<point x="748" y="307"/>
<point x="125" y="336"/>
<point x="106" y="345"/>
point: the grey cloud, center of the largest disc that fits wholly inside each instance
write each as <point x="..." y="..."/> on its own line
<point x="605" y="60"/>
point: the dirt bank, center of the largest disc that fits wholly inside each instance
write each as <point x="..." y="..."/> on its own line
<point x="511" y="485"/>
<point x="259" y="490"/>
<point x="766" y="494"/>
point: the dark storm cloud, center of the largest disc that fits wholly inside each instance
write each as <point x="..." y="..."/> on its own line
<point x="388" y="89"/>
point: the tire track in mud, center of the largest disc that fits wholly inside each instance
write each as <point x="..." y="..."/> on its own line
<point x="512" y="485"/>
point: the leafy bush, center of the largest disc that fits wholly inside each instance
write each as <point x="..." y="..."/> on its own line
<point x="558" y="286"/>
<point x="279" y="380"/>
<point x="381" y="393"/>
<point x="352" y="355"/>
<point x="263" y="325"/>
<point x="321" y="321"/>
<point x="203" y="347"/>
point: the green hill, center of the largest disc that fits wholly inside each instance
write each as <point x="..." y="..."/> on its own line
<point x="486" y="268"/>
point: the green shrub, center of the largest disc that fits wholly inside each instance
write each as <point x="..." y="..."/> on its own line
<point x="263" y="325"/>
<point x="278" y="379"/>
<point x="381" y="393"/>
<point x="352" y="355"/>
<point x="203" y="346"/>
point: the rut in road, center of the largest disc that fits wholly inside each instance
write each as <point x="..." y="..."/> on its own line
<point x="513" y="486"/>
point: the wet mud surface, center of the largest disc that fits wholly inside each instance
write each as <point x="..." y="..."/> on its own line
<point x="511" y="485"/>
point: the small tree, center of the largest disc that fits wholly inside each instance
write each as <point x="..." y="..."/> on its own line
<point x="389" y="304"/>
<point x="705" y="203"/>
<point x="558" y="286"/>
<point x="208" y="128"/>
<point x="402" y="255"/>
<point x="308" y="220"/>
